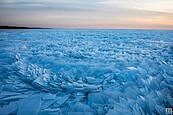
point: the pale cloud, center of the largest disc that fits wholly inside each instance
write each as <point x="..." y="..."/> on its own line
<point x="154" y="5"/>
<point x="88" y="13"/>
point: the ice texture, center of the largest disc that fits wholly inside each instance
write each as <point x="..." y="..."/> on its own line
<point x="86" y="72"/>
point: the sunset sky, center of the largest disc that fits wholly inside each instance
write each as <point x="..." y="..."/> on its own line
<point x="122" y="14"/>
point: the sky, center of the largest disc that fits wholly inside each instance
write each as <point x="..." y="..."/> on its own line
<point x="112" y="14"/>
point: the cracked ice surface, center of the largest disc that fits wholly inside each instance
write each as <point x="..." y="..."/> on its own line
<point x="74" y="72"/>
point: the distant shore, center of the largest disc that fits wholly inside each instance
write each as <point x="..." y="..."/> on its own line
<point x="17" y="27"/>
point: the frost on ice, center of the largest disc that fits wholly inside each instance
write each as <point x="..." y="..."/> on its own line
<point x="91" y="72"/>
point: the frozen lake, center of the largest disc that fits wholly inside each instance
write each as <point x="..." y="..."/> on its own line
<point x="86" y="72"/>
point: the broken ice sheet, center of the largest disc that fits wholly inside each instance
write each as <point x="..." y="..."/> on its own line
<point x="15" y="97"/>
<point x="97" y="98"/>
<point x="31" y="104"/>
<point x="9" y="109"/>
<point x="61" y="100"/>
<point x="47" y="103"/>
<point x="47" y="95"/>
<point x="81" y="107"/>
<point x="102" y="72"/>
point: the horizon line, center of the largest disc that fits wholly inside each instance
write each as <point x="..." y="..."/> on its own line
<point x="36" y="27"/>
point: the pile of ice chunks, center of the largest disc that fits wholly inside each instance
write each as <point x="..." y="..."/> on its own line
<point x="88" y="72"/>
